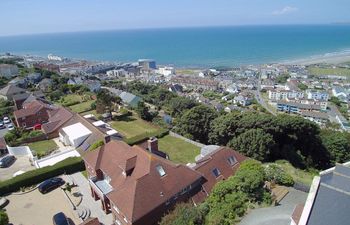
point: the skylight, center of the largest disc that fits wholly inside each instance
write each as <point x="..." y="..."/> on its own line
<point x="160" y="170"/>
<point x="216" y="172"/>
<point x="231" y="160"/>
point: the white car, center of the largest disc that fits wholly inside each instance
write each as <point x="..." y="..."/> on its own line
<point x="10" y="126"/>
<point x="6" y="120"/>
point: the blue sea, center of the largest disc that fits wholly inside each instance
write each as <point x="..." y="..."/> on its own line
<point x="190" y="47"/>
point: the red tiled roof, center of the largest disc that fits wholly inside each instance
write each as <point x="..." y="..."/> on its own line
<point x="217" y="159"/>
<point x="144" y="189"/>
<point x="56" y="119"/>
<point x="31" y="109"/>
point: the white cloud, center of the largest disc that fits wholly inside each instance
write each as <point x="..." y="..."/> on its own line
<point x="285" y="10"/>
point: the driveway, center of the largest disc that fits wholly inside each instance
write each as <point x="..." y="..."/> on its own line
<point x="3" y="132"/>
<point x="34" y="208"/>
<point x="21" y="163"/>
<point x="278" y="215"/>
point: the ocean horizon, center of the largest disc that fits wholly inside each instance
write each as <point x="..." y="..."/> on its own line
<point x="190" y="47"/>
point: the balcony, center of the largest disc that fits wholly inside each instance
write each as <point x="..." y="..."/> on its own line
<point x="102" y="187"/>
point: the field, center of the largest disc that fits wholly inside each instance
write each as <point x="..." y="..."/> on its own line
<point x="82" y="107"/>
<point x="329" y="71"/>
<point x="43" y="147"/>
<point x="178" y="150"/>
<point x="132" y="126"/>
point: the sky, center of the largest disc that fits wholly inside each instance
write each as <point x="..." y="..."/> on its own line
<point x="51" y="16"/>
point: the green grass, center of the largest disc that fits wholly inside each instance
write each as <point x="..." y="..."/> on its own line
<point x="43" y="147"/>
<point x="70" y="99"/>
<point x="329" y="71"/>
<point x="178" y="150"/>
<point x="85" y="174"/>
<point x="298" y="175"/>
<point x="93" y="112"/>
<point x="132" y="126"/>
<point x="82" y="107"/>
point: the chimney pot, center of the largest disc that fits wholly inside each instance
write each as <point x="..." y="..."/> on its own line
<point x="153" y="144"/>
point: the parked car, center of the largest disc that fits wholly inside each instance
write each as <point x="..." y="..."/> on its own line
<point x="60" y="219"/>
<point x="7" y="160"/>
<point x="10" y="126"/>
<point x="6" y="120"/>
<point x="3" y="202"/>
<point x="50" y="184"/>
<point x="2" y="125"/>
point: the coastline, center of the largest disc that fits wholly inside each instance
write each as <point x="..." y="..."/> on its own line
<point x="328" y="58"/>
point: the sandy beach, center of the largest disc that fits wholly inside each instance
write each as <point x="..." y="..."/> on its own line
<point x="331" y="58"/>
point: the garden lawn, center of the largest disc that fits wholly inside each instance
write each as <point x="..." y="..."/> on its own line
<point x="70" y="99"/>
<point x="43" y="147"/>
<point x="132" y="126"/>
<point x="298" y="175"/>
<point x="82" y="107"/>
<point x="179" y="151"/>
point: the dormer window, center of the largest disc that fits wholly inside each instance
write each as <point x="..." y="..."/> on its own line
<point x="231" y="160"/>
<point x="160" y="170"/>
<point x="216" y="172"/>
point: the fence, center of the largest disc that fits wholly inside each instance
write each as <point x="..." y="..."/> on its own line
<point x="186" y="139"/>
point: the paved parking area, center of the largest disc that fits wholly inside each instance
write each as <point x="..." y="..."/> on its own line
<point x="279" y="215"/>
<point x="21" y="163"/>
<point x="34" y="208"/>
<point x="3" y="132"/>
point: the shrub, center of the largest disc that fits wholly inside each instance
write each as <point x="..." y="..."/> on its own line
<point x="96" y="145"/>
<point x="277" y="174"/>
<point x="4" y="219"/>
<point x="33" y="177"/>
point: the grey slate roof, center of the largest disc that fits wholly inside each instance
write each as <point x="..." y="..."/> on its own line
<point x="129" y="98"/>
<point x="332" y="203"/>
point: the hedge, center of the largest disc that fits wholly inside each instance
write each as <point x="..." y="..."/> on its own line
<point x="33" y="177"/>
<point x="142" y="137"/>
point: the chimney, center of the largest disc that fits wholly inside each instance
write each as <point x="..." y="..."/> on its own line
<point x="153" y="144"/>
<point x="107" y="139"/>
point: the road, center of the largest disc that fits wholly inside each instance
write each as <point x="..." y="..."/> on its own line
<point x="259" y="98"/>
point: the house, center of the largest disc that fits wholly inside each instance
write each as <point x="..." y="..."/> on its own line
<point x="317" y="95"/>
<point x="276" y="95"/>
<point x="75" y="81"/>
<point x="9" y="91"/>
<point x="3" y="147"/>
<point x="233" y="89"/>
<point x="192" y="82"/>
<point x="130" y="99"/>
<point x="45" y="84"/>
<point x="57" y="119"/>
<point x="215" y="164"/>
<point x="93" y="85"/>
<point x="317" y="117"/>
<point x="136" y="186"/>
<point x="33" y="78"/>
<point x="19" y="82"/>
<point x="340" y="92"/>
<point x="328" y="200"/>
<point x="217" y="105"/>
<point x="267" y="84"/>
<point x="176" y="88"/>
<point x="243" y="100"/>
<point x="32" y="113"/>
<point x="294" y="107"/>
<point x="74" y="135"/>
<point x="8" y="70"/>
<point x="19" y="99"/>
<point x="231" y="108"/>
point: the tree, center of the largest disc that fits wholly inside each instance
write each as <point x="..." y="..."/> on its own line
<point x="4" y="219"/>
<point x="337" y="144"/>
<point x="183" y="214"/>
<point x="195" y="123"/>
<point x="143" y="112"/>
<point x="335" y="101"/>
<point x="254" y="143"/>
<point x="224" y="128"/>
<point x="277" y="174"/>
<point x="104" y="101"/>
<point x="179" y="104"/>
